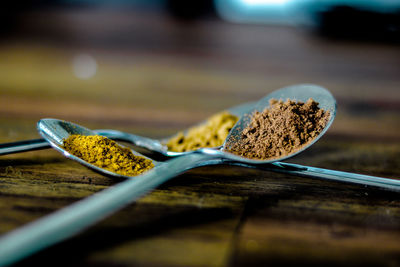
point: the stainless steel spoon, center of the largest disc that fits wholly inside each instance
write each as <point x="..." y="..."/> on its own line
<point x="84" y="213"/>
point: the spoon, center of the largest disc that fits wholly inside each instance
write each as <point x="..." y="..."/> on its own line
<point x="68" y="221"/>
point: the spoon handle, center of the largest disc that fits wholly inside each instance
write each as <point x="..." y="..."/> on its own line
<point x="320" y="173"/>
<point x="23" y="146"/>
<point x="72" y="219"/>
<point x="326" y="174"/>
<point x="340" y="176"/>
<point x="140" y="141"/>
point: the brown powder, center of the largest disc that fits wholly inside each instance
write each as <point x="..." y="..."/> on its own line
<point x="281" y="129"/>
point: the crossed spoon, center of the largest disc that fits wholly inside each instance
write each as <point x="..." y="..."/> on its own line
<point x="72" y="219"/>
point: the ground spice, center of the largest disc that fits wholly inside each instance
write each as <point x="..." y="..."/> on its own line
<point x="281" y="129"/>
<point x="210" y="134"/>
<point x="106" y="153"/>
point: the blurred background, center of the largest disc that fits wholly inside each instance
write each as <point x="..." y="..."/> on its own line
<point x="154" y="67"/>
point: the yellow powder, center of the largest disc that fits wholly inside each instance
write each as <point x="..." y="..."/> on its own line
<point x="107" y="154"/>
<point x="210" y="134"/>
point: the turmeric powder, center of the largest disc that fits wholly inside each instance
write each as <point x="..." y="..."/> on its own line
<point x="107" y="154"/>
<point x="210" y="134"/>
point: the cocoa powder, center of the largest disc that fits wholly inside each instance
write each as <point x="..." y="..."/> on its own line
<point x="281" y="129"/>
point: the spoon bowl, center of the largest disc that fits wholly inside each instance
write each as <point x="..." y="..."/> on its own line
<point x="298" y="93"/>
<point x="56" y="131"/>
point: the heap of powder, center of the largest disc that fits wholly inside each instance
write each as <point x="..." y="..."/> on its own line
<point x="281" y="129"/>
<point x="210" y="134"/>
<point x="107" y="154"/>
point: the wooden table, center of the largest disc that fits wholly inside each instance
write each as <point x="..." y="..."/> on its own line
<point x="156" y="76"/>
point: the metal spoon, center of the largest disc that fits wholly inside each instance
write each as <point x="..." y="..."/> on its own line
<point x="70" y="220"/>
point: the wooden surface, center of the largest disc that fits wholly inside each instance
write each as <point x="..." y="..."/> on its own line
<point x="156" y="76"/>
